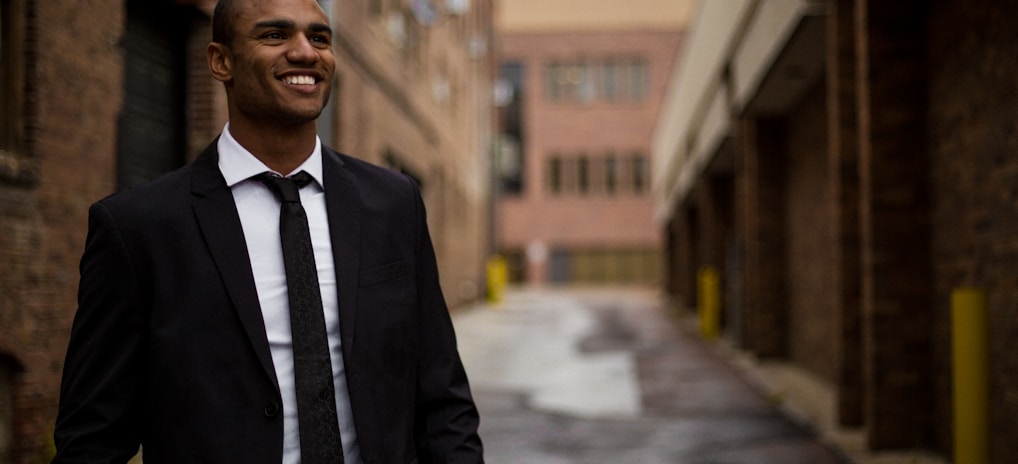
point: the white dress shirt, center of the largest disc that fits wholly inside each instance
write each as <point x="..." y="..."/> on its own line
<point x="259" y="215"/>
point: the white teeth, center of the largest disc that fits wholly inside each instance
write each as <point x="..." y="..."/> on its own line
<point x="299" y="80"/>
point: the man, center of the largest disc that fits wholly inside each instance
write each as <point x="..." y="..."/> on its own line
<point x="183" y="341"/>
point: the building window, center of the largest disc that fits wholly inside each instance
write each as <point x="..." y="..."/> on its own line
<point x="610" y="175"/>
<point x="613" y="79"/>
<point x="597" y="173"/>
<point x="608" y="79"/>
<point x="555" y="175"/>
<point x="558" y="81"/>
<point x="607" y="175"/>
<point x="586" y="87"/>
<point x="511" y="159"/>
<point x="637" y="80"/>
<point x="8" y="368"/>
<point x="583" y="175"/>
<point x="638" y="173"/>
<point x="12" y="68"/>
<point x="152" y="128"/>
<point x="572" y="82"/>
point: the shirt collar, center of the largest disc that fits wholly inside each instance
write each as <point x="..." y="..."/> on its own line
<point x="238" y="164"/>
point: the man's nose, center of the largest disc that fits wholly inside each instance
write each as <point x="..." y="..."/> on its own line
<point x="302" y="50"/>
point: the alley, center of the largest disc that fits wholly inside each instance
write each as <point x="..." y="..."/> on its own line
<point x="604" y="376"/>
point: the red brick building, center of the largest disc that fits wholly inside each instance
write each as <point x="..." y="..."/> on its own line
<point x="98" y="95"/>
<point x="846" y="165"/>
<point x="580" y="100"/>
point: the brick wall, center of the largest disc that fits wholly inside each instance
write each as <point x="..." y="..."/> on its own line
<point x="809" y="238"/>
<point x="73" y="91"/>
<point x="918" y="173"/>
<point x="843" y="165"/>
<point x="683" y="262"/>
<point x="760" y="225"/>
<point x="894" y="220"/>
<point x="974" y="184"/>
<point x="713" y="198"/>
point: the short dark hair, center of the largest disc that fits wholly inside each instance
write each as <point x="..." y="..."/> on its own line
<point x="223" y="18"/>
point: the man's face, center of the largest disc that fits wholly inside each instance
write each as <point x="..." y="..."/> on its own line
<point x="282" y="62"/>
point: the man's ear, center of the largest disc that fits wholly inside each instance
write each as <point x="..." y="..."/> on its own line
<point x="220" y="62"/>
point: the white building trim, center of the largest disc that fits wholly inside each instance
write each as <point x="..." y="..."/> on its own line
<point x="733" y="46"/>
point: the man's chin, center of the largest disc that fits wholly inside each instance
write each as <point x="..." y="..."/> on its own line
<point x="300" y="117"/>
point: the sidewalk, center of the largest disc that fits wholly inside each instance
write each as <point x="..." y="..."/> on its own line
<point x="809" y="401"/>
<point x="605" y="376"/>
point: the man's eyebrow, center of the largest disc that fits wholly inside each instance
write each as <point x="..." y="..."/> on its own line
<point x="274" y="24"/>
<point x="320" y="28"/>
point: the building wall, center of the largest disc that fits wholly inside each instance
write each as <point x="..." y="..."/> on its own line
<point x="571" y="221"/>
<point x="861" y="206"/>
<point x="530" y="15"/>
<point x="972" y="140"/>
<point x="809" y="237"/>
<point x="894" y="222"/>
<point x="419" y="101"/>
<point x="72" y="87"/>
<point x="760" y="232"/>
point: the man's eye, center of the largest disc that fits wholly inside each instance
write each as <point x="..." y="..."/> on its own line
<point x="274" y="36"/>
<point x="320" y="39"/>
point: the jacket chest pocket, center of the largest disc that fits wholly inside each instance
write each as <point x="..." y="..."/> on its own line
<point x="387" y="315"/>
<point x="384" y="273"/>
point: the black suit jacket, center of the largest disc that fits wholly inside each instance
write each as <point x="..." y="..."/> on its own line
<point x="168" y="347"/>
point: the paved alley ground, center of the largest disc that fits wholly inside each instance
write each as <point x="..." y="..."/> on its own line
<point x="605" y="376"/>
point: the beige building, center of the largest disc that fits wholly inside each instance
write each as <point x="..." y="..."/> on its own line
<point x="580" y="86"/>
<point x="413" y="92"/>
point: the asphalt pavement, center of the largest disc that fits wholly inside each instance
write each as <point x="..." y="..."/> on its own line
<point x="591" y="376"/>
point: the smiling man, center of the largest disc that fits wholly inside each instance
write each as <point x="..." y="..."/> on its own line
<point x="273" y="302"/>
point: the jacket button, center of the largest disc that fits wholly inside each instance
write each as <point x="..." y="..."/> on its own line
<point x="271" y="409"/>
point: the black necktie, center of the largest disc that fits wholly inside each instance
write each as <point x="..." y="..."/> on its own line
<point x="320" y="441"/>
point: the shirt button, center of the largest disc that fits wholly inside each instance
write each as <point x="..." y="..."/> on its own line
<point x="271" y="409"/>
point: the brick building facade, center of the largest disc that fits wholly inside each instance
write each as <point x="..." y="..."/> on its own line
<point x="575" y="202"/>
<point x="847" y="164"/>
<point x="99" y="95"/>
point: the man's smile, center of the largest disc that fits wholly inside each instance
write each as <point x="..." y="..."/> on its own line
<point x="299" y="80"/>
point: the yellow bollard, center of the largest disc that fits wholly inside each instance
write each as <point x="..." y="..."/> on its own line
<point x="498" y="276"/>
<point x="970" y="361"/>
<point x="708" y="302"/>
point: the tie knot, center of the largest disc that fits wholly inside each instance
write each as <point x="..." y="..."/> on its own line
<point x="286" y="188"/>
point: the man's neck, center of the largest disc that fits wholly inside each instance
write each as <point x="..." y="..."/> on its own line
<point x="281" y="148"/>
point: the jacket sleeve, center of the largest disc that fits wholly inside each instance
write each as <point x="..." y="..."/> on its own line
<point x="447" y="418"/>
<point x="101" y="390"/>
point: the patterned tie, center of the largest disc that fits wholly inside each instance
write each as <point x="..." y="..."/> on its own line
<point x="320" y="442"/>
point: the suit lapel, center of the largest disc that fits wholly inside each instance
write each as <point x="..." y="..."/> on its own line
<point x="343" y="202"/>
<point x="219" y="221"/>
